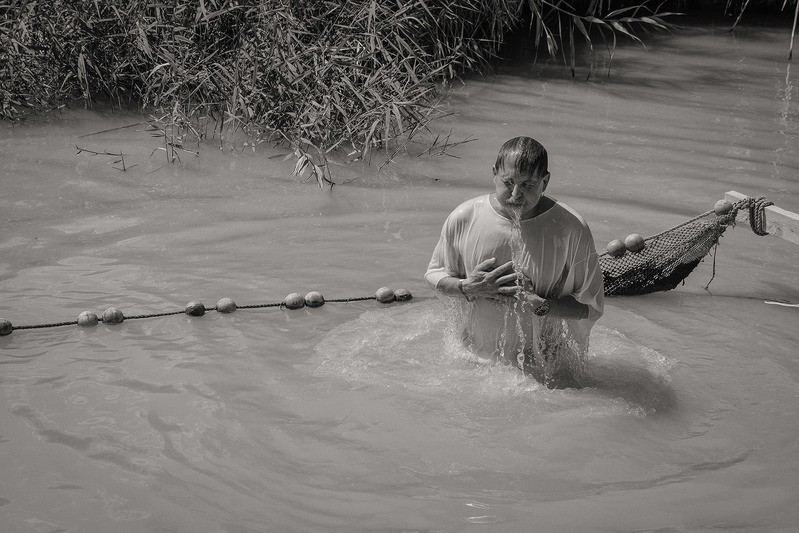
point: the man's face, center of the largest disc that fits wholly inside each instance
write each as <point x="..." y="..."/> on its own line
<point x="519" y="192"/>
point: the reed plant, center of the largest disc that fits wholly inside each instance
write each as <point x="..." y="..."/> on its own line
<point x="321" y="76"/>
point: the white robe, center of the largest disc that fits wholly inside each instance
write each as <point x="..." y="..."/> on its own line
<point x="554" y="249"/>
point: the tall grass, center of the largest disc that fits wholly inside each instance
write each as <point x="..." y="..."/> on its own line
<point x="320" y="76"/>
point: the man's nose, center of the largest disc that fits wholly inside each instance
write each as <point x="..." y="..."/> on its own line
<point x="517" y="192"/>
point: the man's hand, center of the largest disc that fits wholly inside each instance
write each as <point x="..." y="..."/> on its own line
<point x="524" y="292"/>
<point x="488" y="282"/>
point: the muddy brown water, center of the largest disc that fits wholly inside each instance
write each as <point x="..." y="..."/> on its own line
<point x="362" y="417"/>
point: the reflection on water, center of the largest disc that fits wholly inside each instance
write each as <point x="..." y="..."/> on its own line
<point x="362" y="417"/>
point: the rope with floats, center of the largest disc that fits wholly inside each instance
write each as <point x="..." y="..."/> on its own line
<point x="295" y="300"/>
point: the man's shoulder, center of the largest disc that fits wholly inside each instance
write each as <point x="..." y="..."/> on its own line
<point x="469" y="208"/>
<point x="567" y="212"/>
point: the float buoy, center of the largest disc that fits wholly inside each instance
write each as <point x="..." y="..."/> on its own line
<point x="402" y="295"/>
<point x="87" y="319"/>
<point x="225" y="305"/>
<point x="314" y="299"/>
<point x="384" y="295"/>
<point x="294" y="300"/>
<point x="722" y="207"/>
<point x="112" y="315"/>
<point x="195" y="309"/>
<point x="616" y="248"/>
<point x="634" y="242"/>
<point x="5" y="327"/>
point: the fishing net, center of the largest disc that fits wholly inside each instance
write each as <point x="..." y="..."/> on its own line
<point x="670" y="256"/>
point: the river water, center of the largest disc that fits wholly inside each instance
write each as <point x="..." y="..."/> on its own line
<point x="367" y="417"/>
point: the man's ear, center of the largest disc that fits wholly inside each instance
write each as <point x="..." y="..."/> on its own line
<point x="494" y="169"/>
<point x="546" y="181"/>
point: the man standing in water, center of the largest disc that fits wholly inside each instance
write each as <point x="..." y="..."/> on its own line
<point x="519" y="262"/>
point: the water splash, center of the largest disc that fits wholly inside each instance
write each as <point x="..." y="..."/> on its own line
<point x="417" y="348"/>
<point x="515" y="313"/>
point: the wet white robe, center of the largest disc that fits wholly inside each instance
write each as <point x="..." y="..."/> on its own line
<point x="554" y="249"/>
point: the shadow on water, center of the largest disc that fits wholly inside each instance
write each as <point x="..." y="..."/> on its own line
<point x="632" y="67"/>
<point x="617" y="375"/>
<point x="619" y="368"/>
<point x="637" y="385"/>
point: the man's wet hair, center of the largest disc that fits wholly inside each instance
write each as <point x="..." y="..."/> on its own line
<point x="525" y="154"/>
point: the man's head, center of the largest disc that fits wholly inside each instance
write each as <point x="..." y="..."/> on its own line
<point x="521" y="174"/>
<point x="523" y="154"/>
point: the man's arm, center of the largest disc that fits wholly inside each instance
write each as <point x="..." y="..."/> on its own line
<point x="500" y="283"/>
<point x="563" y="307"/>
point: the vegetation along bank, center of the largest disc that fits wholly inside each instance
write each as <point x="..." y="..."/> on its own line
<point x="319" y="76"/>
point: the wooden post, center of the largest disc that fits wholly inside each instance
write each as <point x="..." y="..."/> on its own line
<point x="779" y="222"/>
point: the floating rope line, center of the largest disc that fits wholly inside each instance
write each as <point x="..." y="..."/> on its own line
<point x="3" y="327"/>
<point x="112" y="315"/>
